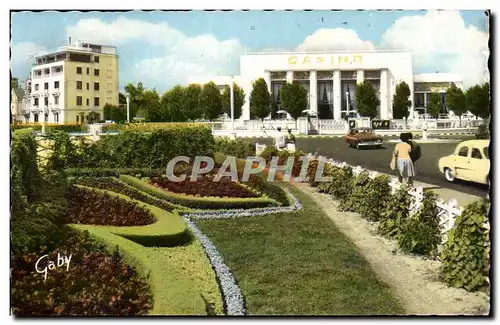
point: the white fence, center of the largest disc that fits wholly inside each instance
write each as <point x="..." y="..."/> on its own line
<point x="336" y="127"/>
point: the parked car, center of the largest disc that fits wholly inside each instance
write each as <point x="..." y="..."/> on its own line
<point x="469" y="162"/>
<point x="363" y="137"/>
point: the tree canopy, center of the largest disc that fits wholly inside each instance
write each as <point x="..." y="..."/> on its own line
<point x="366" y="99"/>
<point x="239" y="100"/>
<point x="478" y="100"/>
<point x="434" y="105"/>
<point x="400" y="101"/>
<point x="260" y="99"/>
<point x="294" y="99"/>
<point x="455" y="98"/>
<point x="211" y="101"/>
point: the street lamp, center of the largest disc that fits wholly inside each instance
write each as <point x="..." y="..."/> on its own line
<point x="231" y="88"/>
<point x="127" y="96"/>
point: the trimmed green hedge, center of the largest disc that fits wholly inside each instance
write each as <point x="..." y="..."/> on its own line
<point x="240" y="148"/>
<point x="111" y="172"/>
<point x="199" y="202"/>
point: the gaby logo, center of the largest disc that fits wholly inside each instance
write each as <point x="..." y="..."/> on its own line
<point x="61" y="261"/>
<point x="253" y="165"/>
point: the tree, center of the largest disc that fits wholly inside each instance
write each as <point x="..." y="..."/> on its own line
<point x="260" y="99"/>
<point x="136" y="94"/>
<point x="115" y="113"/>
<point x="239" y="100"/>
<point x="151" y="106"/>
<point x="455" y="98"/>
<point x="294" y="99"/>
<point x="434" y="105"/>
<point x="92" y="117"/>
<point x="174" y="100"/>
<point x="366" y="99"/>
<point x="193" y="102"/>
<point x="211" y="101"/>
<point x="14" y="83"/>
<point x="478" y="100"/>
<point x="400" y="102"/>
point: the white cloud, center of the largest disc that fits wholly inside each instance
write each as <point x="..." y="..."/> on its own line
<point x="22" y="54"/>
<point x="178" y="57"/>
<point x="338" y="39"/>
<point x="441" y="39"/>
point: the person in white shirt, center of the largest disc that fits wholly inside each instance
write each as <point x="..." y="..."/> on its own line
<point x="279" y="141"/>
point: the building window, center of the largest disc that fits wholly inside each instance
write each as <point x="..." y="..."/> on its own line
<point x="56" y="84"/>
<point x="77" y="118"/>
<point x="324" y="75"/>
<point x="56" y="100"/>
<point x="36" y="102"/>
<point x="96" y="59"/>
<point x="79" y="70"/>
<point x="371" y="74"/>
<point x="36" y="87"/>
<point x="56" y="117"/>
<point x="96" y="101"/>
<point x="278" y="75"/>
<point x="88" y="102"/>
<point x="46" y="101"/>
<point x="419" y="100"/>
<point x="46" y="117"/>
<point x="348" y="75"/>
<point x="35" y="117"/>
<point x="88" y="71"/>
<point x="96" y="72"/>
<point x="301" y="75"/>
<point x="46" y="86"/>
<point x="96" y="86"/>
<point x="79" y="100"/>
<point x="46" y="72"/>
<point x="79" y="85"/>
<point x="88" y="86"/>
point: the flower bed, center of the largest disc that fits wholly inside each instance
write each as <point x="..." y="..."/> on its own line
<point x="115" y="185"/>
<point x="199" y="202"/>
<point x="205" y="186"/>
<point x="95" y="284"/>
<point x="90" y="207"/>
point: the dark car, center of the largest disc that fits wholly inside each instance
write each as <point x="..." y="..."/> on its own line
<point x="363" y="137"/>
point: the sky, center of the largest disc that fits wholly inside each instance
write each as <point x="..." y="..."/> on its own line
<point x="164" y="49"/>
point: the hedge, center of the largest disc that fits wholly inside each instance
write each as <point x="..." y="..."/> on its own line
<point x="199" y="202"/>
<point x="111" y="172"/>
<point x="239" y="147"/>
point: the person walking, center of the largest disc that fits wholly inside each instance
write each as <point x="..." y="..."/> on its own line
<point x="401" y="160"/>
<point x="290" y="141"/>
<point x="279" y="140"/>
<point x="415" y="154"/>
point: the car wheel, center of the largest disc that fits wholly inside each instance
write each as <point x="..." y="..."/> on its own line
<point x="357" y="145"/>
<point x="449" y="174"/>
<point x="379" y="146"/>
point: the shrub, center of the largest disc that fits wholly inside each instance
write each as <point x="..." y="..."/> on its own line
<point x="354" y="201"/>
<point x="96" y="283"/>
<point x="241" y="148"/>
<point x="112" y="172"/>
<point x="397" y="210"/>
<point x="342" y="183"/>
<point x="374" y="198"/>
<point x="483" y="131"/>
<point x="90" y="207"/>
<point x="64" y="152"/>
<point x="421" y="232"/>
<point x="466" y="254"/>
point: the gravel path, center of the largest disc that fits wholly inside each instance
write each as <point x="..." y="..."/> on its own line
<point x="414" y="280"/>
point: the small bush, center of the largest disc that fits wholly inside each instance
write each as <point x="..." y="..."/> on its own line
<point x="396" y="212"/>
<point x="374" y="198"/>
<point x="483" y="131"/>
<point x="466" y="254"/>
<point x="354" y="201"/>
<point x="421" y="232"/>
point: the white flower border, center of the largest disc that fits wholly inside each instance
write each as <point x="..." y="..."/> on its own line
<point x="238" y="213"/>
<point x="234" y="303"/>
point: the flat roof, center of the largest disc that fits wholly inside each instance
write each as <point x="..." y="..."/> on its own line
<point x="437" y="77"/>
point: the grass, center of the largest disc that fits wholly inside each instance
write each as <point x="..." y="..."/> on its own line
<point x="178" y="274"/>
<point x="299" y="264"/>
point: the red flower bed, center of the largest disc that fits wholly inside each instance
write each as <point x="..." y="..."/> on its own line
<point x="96" y="283"/>
<point x="91" y="207"/>
<point x="205" y="186"/>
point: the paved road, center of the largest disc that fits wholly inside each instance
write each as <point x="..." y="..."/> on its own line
<point x="379" y="159"/>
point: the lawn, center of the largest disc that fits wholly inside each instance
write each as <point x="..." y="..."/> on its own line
<point x="298" y="264"/>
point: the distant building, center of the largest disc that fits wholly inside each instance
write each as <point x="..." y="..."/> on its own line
<point x="330" y="79"/>
<point x="66" y="85"/>
<point x="16" y="105"/>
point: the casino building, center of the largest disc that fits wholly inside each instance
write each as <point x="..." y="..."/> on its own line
<point x="330" y="79"/>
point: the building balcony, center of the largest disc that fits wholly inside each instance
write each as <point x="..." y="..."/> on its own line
<point x="56" y="92"/>
<point x="45" y="93"/>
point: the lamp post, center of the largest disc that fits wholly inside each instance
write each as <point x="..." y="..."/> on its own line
<point x="127" y="96"/>
<point x="231" y="88"/>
